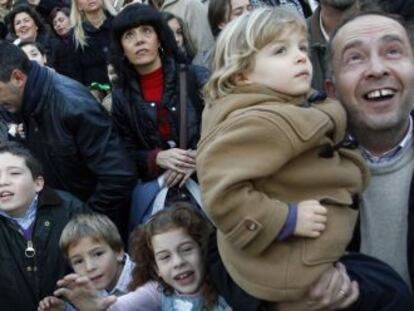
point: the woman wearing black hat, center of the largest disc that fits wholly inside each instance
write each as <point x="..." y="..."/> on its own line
<point x="146" y="100"/>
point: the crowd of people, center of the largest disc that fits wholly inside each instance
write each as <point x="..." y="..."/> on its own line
<point x="206" y="155"/>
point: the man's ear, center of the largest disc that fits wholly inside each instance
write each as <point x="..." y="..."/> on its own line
<point x="330" y="88"/>
<point x="39" y="183"/>
<point x="18" y="78"/>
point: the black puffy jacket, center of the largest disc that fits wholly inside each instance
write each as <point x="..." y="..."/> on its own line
<point x="136" y="119"/>
<point x="73" y="137"/>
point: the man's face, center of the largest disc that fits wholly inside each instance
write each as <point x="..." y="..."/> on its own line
<point x="10" y="96"/>
<point x="17" y="186"/>
<point x="374" y="73"/>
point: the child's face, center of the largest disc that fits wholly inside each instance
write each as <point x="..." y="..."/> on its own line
<point x="17" y="186"/>
<point x="34" y="54"/>
<point x="96" y="260"/>
<point x="178" y="260"/>
<point x="284" y="65"/>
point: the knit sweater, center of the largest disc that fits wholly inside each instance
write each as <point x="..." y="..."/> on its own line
<point x="384" y="212"/>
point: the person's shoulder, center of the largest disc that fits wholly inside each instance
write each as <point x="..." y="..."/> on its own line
<point x="202" y="74"/>
<point x="60" y="203"/>
<point x="71" y="95"/>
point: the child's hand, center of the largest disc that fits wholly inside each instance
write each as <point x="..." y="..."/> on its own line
<point x="81" y="292"/>
<point x="311" y="219"/>
<point x="51" y="303"/>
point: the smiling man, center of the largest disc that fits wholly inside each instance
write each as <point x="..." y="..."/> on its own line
<point x="373" y="76"/>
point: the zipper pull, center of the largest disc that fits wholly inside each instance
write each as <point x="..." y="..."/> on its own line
<point x="29" y="251"/>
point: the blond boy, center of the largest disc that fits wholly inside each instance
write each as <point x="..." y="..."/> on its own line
<point x="94" y="249"/>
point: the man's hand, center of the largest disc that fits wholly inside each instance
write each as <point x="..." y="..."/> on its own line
<point x="333" y="291"/>
<point x="311" y="220"/>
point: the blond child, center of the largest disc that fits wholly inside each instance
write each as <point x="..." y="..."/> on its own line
<point x="277" y="179"/>
<point x="94" y="248"/>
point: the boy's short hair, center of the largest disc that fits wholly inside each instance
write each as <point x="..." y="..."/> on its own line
<point x="37" y="45"/>
<point x="93" y="225"/>
<point x="240" y="41"/>
<point x="18" y="150"/>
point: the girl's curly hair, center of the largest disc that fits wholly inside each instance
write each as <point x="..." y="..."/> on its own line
<point x="179" y="215"/>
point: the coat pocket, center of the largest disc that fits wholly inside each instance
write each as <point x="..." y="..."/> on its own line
<point x="244" y="232"/>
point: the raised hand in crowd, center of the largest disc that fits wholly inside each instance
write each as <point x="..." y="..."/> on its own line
<point x="51" y="303"/>
<point x="81" y="293"/>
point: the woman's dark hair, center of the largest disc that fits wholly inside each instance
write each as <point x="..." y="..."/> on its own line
<point x="55" y="11"/>
<point x="132" y="16"/>
<point x="179" y="215"/>
<point x="218" y="11"/>
<point x="188" y="46"/>
<point x="29" y="11"/>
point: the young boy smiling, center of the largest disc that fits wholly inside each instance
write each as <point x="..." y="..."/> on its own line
<point x="32" y="218"/>
<point x="94" y="249"/>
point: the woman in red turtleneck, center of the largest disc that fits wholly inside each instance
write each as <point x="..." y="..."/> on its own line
<point x="146" y="99"/>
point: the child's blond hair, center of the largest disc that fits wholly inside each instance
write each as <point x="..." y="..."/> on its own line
<point x="241" y="39"/>
<point x="93" y="225"/>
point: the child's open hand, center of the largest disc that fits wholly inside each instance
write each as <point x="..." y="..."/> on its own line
<point x="81" y="292"/>
<point x="51" y="303"/>
<point x="311" y="220"/>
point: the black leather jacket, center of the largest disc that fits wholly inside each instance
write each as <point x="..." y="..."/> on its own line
<point x="73" y="137"/>
<point x="136" y="119"/>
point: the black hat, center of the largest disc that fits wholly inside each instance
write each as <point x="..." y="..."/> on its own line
<point x="135" y="15"/>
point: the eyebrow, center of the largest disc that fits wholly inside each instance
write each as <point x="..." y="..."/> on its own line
<point x="392" y="37"/>
<point x="161" y="252"/>
<point x="386" y="38"/>
<point x="353" y="44"/>
<point x="14" y="167"/>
